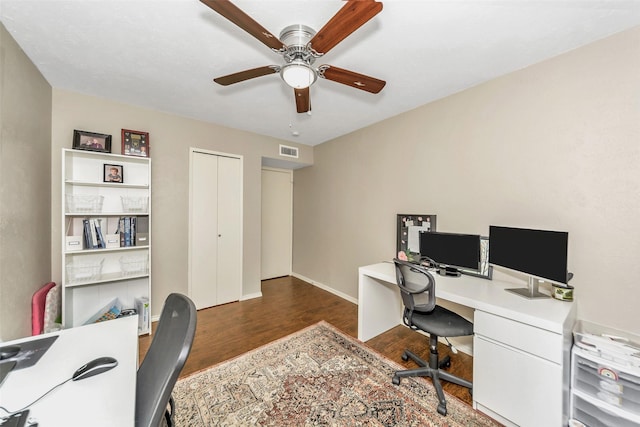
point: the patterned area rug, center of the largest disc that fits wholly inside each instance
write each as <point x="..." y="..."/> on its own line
<point x="315" y="377"/>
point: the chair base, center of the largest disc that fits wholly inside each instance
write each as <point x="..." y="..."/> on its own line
<point x="434" y="371"/>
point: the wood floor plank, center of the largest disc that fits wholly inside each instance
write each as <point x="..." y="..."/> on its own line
<point x="287" y="305"/>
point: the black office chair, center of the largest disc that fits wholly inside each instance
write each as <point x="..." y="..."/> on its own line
<point x="158" y="372"/>
<point x="418" y="289"/>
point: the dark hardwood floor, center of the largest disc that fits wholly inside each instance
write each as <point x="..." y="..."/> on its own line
<point x="286" y="306"/>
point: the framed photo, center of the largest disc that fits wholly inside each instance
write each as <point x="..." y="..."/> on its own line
<point x="91" y="141"/>
<point x="113" y="173"/>
<point x="135" y="143"/>
<point x="408" y="227"/>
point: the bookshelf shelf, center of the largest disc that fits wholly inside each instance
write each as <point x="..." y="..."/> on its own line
<point x="103" y="250"/>
<point x="105" y="184"/>
<point x="106" y="227"/>
<point x="107" y="278"/>
<point x="101" y="214"/>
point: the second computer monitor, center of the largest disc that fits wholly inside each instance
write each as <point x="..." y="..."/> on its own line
<point x="451" y="250"/>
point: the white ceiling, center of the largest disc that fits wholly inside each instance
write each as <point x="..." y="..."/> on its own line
<point x="163" y="54"/>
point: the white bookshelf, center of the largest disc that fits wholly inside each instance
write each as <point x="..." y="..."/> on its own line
<point x="95" y="278"/>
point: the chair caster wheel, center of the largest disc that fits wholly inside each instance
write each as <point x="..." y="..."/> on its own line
<point x="405" y="357"/>
<point x="395" y="380"/>
<point x="447" y="364"/>
<point x="442" y="410"/>
<point x="471" y="392"/>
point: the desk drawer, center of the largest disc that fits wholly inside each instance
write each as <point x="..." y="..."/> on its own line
<point x="530" y="339"/>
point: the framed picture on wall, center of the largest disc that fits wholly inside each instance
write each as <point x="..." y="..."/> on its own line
<point x="135" y="143"/>
<point x="91" y="141"/>
<point x="409" y="227"/>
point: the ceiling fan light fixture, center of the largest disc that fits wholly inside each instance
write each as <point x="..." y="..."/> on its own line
<point x="298" y="74"/>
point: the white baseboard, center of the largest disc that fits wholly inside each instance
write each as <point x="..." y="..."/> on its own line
<point x="326" y="288"/>
<point x="251" y="296"/>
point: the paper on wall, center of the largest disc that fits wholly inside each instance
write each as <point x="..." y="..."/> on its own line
<point x="413" y="243"/>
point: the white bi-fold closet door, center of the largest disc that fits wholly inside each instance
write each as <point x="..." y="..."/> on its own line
<point x="215" y="228"/>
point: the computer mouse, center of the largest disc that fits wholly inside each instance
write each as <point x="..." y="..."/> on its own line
<point x="95" y="367"/>
<point x="9" y="351"/>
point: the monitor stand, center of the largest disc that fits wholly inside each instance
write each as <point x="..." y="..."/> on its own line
<point x="531" y="291"/>
<point x="448" y="271"/>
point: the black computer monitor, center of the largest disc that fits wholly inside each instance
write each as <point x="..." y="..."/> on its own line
<point x="541" y="254"/>
<point x="451" y="251"/>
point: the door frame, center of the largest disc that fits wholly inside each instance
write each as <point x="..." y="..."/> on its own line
<point x="192" y="152"/>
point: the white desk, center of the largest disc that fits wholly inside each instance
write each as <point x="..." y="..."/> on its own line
<point x="107" y="399"/>
<point x="521" y="347"/>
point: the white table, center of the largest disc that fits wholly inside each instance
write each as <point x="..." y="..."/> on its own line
<point x="107" y="399"/>
<point x="521" y="347"/>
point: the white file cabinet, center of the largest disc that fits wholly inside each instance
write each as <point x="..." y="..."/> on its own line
<point x="519" y="371"/>
<point x="605" y="379"/>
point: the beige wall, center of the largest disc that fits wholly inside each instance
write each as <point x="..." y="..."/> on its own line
<point x="25" y="172"/>
<point x="554" y="146"/>
<point x="170" y="139"/>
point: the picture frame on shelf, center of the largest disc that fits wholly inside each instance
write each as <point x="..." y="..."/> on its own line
<point x="135" y="143"/>
<point x="91" y="141"/>
<point x="113" y="173"/>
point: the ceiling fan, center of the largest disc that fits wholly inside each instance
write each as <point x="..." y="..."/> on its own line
<point x="300" y="46"/>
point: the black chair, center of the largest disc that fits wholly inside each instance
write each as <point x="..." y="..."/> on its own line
<point x="418" y="290"/>
<point x="158" y="372"/>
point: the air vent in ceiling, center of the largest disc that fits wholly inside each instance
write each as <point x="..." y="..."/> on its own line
<point x="288" y="151"/>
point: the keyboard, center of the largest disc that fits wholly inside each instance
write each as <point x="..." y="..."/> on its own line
<point x="16" y="420"/>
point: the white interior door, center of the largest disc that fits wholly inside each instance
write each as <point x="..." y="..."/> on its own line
<point x="215" y="229"/>
<point x="277" y="197"/>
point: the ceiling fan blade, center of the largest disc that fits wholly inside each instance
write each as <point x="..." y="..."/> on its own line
<point x="351" y="78"/>
<point x="246" y="75"/>
<point x="352" y="16"/>
<point x="244" y="21"/>
<point x="303" y="102"/>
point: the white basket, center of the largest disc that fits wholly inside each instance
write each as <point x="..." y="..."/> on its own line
<point x="85" y="270"/>
<point x="135" y="204"/>
<point x="134" y="264"/>
<point x="84" y="203"/>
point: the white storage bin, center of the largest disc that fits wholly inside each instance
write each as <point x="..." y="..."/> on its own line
<point x="611" y="344"/>
<point x="81" y="270"/>
<point x="607" y="383"/>
<point x="134" y="264"/>
<point x="593" y="415"/>
<point x="84" y="203"/>
<point x="135" y="204"/>
<point x="108" y="312"/>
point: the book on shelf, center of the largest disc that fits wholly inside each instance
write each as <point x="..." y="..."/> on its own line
<point x="127" y="231"/>
<point x="88" y="244"/>
<point x="121" y="231"/>
<point x="133" y="231"/>
<point x="94" y="235"/>
<point x="99" y="235"/>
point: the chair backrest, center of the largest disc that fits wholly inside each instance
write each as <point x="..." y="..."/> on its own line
<point x="158" y="373"/>
<point x="417" y="286"/>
